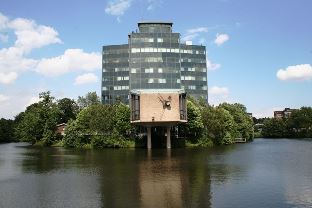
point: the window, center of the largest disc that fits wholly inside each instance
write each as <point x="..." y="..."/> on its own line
<point x="160" y="70"/>
<point x="204" y="70"/>
<point x="122" y="78"/>
<point x="104" y="70"/>
<point x="133" y="70"/>
<point x="135" y="50"/>
<point x="121" y="87"/>
<point x="104" y="88"/>
<point x="151" y="40"/>
<point x="161" y="80"/>
<point x="178" y="81"/>
<point x="160" y="40"/>
<point x="204" y="87"/>
<point x="192" y="87"/>
<point x="149" y="70"/>
<point x="204" y="79"/>
<point x="150" y="81"/>
<point x="187" y="78"/>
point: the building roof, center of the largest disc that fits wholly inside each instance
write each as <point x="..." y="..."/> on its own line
<point x="154" y="22"/>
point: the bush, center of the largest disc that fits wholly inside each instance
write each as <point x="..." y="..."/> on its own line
<point x="114" y="141"/>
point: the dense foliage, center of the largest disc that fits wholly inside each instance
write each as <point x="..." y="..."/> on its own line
<point x="298" y="125"/>
<point x="6" y="130"/>
<point x="219" y="125"/>
<point x="93" y="125"/>
<point x="38" y="122"/>
<point x="100" y="126"/>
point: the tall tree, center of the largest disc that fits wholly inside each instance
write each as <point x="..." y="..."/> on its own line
<point x="6" y="130"/>
<point x="91" y="98"/>
<point x="68" y="109"/>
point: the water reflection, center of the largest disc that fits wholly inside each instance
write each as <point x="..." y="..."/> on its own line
<point x="260" y="174"/>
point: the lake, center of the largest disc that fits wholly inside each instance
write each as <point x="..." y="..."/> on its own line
<point x="264" y="173"/>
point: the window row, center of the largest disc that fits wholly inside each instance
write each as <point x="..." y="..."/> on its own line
<point x="117" y="69"/>
<point x="193" y="87"/>
<point x="187" y="78"/>
<point x="152" y="70"/>
<point x="165" y="50"/>
<point x="146" y="40"/>
<point x="121" y="87"/>
<point x="122" y="78"/>
<point x="155" y="50"/>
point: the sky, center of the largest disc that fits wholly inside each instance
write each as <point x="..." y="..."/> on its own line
<point x="259" y="53"/>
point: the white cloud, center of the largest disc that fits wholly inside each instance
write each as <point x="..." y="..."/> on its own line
<point x="197" y="30"/>
<point x="221" y="38"/>
<point x="220" y="91"/>
<point x="3" y="98"/>
<point x="86" y="79"/>
<point x="7" y="78"/>
<point x="298" y="73"/>
<point x="32" y="100"/>
<point x="118" y="7"/>
<point x="12" y="60"/>
<point x="3" y="21"/>
<point x="217" y="95"/>
<point x="212" y="66"/>
<point x="193" y="33"/>
<point x="71" y="60"/>
<point x="31" y="35"/>
<point x="17" y="102"/>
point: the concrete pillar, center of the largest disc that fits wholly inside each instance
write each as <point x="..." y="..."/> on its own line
<point x="149" y="137"/>
<point x="168" y="138"/>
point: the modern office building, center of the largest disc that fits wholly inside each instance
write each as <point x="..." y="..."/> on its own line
<point x="153" y="59"/>
<point x="153" y="73"/>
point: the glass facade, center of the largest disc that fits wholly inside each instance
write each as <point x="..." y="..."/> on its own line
<point x="154" y="58"/>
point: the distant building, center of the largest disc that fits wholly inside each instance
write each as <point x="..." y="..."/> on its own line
<point x="60" y="128"/>
<point x="283" y="114"/>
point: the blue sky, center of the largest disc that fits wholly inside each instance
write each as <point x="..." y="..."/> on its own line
<point x="259" y="53"/>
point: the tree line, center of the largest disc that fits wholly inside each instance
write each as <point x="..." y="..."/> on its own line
<point x="297" y="125"/>
<point x="94" y="125"/>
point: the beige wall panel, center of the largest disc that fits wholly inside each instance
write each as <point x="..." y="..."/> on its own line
<point x="151" y="107"/>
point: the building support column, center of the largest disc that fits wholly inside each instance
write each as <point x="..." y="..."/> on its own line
<point x="168" y="138"/>
<point x="149" y="137"/>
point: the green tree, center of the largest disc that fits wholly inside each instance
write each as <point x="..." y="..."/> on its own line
<point x="219" y="125"/>
<point x="193" y="129"/>
<point x="91" y="98"/>
<point x="68" y="109"/>
<point x="300" y="123"/>
<point x="39" y="120"/>
<point x="244" y="124"/>
<point x="100" y="126"/>
<point x="122" y="119"/>
<point x="275" y="128"/>
<point x="6" y="130"/>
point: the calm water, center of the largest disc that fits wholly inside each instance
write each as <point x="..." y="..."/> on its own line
<point x="265" y="173"/>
